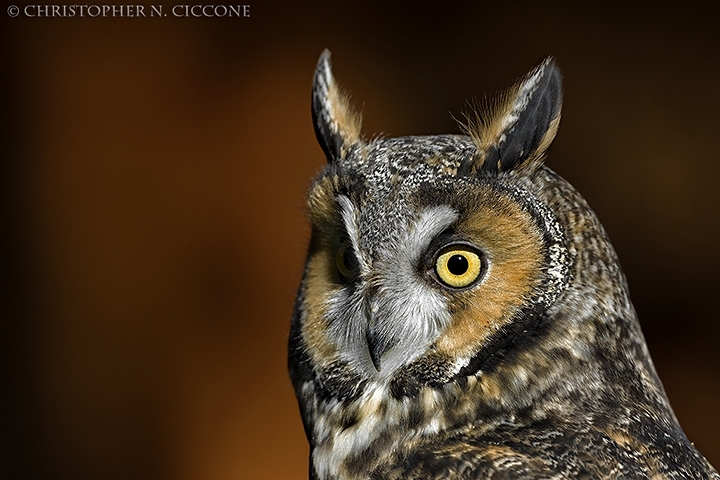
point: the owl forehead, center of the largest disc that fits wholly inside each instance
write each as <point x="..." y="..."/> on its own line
<point x="391" y="181"/>
<point x="389" y="165"/>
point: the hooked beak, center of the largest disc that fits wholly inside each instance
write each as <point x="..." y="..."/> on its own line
<point x="377" y="346"/>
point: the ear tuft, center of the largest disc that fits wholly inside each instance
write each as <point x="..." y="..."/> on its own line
<point x="337" y="125"/>
<point x="513" y="131"/>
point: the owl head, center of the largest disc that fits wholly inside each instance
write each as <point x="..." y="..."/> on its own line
<point x="428" y="250"/>
<point x="454" y="279"/>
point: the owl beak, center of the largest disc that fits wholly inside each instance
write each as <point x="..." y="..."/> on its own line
<point x="376" y="347"/>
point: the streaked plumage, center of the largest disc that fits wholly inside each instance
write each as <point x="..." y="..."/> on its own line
<point x="463" y="313"/>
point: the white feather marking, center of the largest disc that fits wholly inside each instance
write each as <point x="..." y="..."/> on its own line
<point x="404" y="310"/>
<point x="526" y="89"/>
<point x="407" y="309"/>
<point x="350" y="220"/>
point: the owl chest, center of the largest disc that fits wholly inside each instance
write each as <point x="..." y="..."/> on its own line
<point x="351" y="440"/>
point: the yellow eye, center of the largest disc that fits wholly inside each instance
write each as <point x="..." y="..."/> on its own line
<point x="346" y="261"/>
<point x="458" y="266"/>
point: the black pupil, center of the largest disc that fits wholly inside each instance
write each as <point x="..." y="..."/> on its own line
<point x="457" y="264"/>
<point x="349" y="259"/>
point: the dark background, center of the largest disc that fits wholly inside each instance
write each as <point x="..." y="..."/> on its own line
<point x="153" y="181"/>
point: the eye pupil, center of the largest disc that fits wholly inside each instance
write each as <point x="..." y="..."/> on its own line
<point x="457" y="264"/>
<point x="346" y="261"/>
<point x="349" y="259"/>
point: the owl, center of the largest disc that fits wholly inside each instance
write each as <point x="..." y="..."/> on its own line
<point x="462" y="313"/>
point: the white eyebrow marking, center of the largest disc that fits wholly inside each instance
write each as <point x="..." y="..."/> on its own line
<point x="350" y="219"/>
<point x="432" y="221"/>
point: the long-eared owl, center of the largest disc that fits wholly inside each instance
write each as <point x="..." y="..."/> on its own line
<point x="463" y="314"/>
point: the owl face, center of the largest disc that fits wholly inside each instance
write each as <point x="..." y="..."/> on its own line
<point x="428" y="250"/>
<point x="408" y="258"/>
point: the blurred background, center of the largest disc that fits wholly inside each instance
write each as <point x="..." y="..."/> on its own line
<point x="153" y="182"/>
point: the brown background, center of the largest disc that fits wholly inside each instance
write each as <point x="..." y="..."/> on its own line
<point x="153" y="184"/>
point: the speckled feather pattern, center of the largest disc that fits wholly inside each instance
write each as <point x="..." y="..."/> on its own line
<point x="559" y="384"/>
